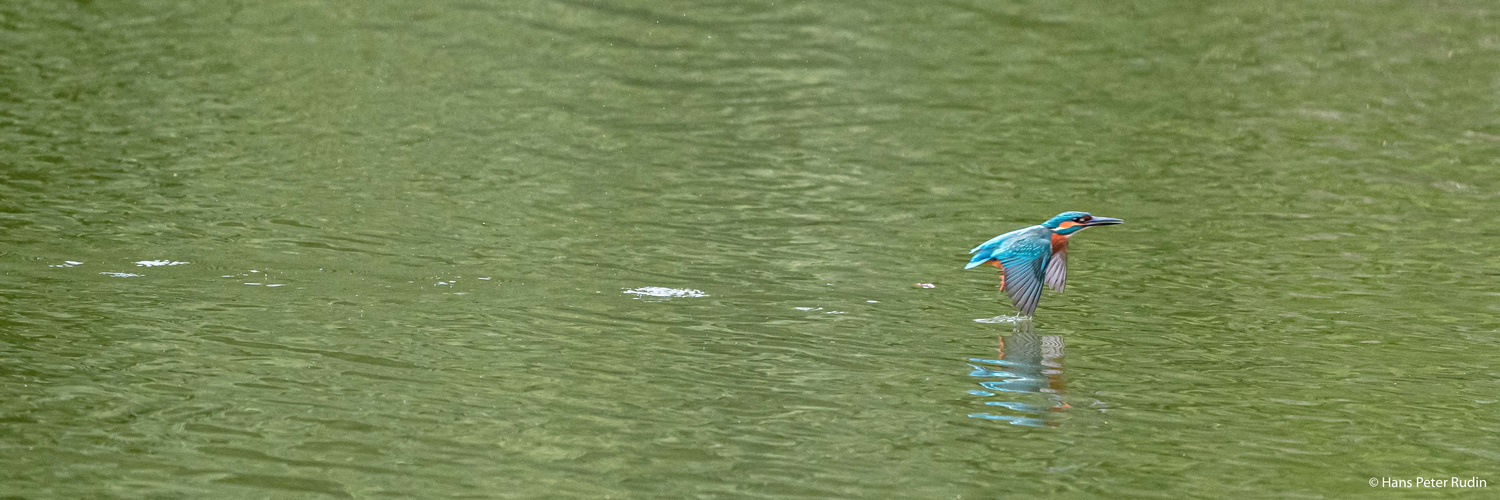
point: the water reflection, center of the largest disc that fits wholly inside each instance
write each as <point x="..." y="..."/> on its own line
<point x="1024" y="385"/>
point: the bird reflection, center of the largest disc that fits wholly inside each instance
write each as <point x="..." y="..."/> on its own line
<point x="1024" y="385"/>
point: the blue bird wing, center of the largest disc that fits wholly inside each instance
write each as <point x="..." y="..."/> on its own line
<point x="1024" y="256"/>
<point x="1024" y="261"/>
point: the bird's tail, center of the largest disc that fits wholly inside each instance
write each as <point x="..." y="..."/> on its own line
<point x="983" y="253"/>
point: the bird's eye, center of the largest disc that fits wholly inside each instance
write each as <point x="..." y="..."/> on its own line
<point x="1078" y="219"/>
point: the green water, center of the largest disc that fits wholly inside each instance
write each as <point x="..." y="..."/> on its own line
<point x="406" y="230"/>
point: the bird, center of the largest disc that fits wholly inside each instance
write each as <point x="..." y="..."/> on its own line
<point x="1031" y="256"/>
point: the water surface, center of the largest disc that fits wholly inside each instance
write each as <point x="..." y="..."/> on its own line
<point x="317" y="249"/>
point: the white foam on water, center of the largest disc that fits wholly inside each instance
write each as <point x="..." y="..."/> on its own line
<point x="123" y="275"/>
<point x="156" y="263"/>
<point x="664" y="292"/>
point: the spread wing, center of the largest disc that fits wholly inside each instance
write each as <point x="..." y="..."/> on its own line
<point x="1057" y="267"/>
<point x="1024" y="261"/>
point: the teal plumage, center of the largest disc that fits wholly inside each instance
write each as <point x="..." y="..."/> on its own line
<point x="1033" y="256"/>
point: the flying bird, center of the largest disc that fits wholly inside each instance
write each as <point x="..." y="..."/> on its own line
<point x="1030" y="256"/>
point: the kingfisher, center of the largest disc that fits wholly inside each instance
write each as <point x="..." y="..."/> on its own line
<point x="1030" y="256"/>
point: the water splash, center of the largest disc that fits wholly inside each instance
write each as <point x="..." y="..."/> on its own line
<point x="1005" y="319"/>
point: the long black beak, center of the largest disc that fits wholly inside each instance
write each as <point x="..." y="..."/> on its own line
<point x="1103" y="221"/>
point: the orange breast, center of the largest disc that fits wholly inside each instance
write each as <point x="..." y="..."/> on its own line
<point x="1059" y="243"/>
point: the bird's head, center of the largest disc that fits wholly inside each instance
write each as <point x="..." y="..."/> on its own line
<point x="1067" y="223"/>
